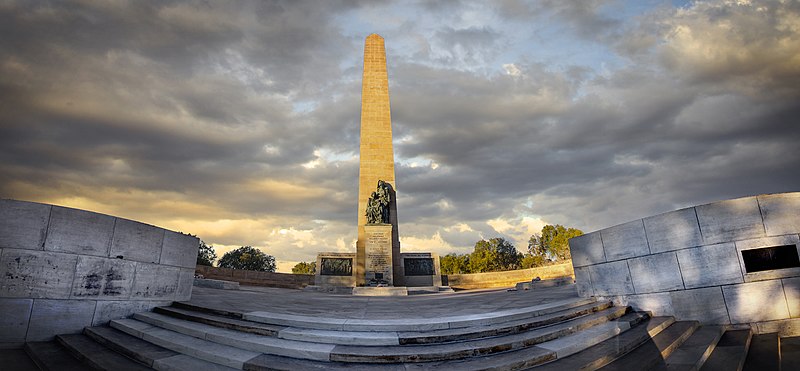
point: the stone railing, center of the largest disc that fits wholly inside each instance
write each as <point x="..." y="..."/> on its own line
<point x="506" y="278"/>
<point x="728" y="262"/>
<point x="254" y="278"/>
<point x="63" y="269"/>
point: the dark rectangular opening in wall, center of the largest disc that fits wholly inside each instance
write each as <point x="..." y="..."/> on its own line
<point x="769" y="258"/>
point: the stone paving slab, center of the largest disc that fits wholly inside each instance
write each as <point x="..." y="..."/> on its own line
<point x="251" y="342"/>
<point x="310" y="303"/>
<point x="130" y="346"/>
<point x="185" y="344"/>
<point x="604" y="352"/>
<point x="430" y="323"/>
<point x="98" y="356"/>
<point x="652" y="353"/>
<point x="183" y="362"/>
<point x="695" y="351"/>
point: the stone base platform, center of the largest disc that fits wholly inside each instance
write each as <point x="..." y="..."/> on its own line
<point x="273" y="329"/>
<point x="380" y="291"/>
<point x="216" y="284"/>
<point x="532" y="285"/>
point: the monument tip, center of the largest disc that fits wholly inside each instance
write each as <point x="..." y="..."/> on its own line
<point x="374" y="36"/>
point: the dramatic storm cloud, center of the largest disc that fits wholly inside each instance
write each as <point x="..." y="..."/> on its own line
<point x="238" y="121"/>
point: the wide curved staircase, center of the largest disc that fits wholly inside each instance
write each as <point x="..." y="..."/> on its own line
<point x="565" y="335"/>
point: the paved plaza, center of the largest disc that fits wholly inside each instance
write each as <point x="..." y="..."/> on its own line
<point x="309" y="303"/>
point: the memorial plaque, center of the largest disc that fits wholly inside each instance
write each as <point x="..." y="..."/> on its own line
<point x="419" y="267"/>
<point x="337" y="267"/>
<point x="378" y="262"/>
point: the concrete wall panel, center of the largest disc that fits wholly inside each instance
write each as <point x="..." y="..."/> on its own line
<point x="109" y="310"/>
<point x="23" y="225"/>
<point x="185" y="283"/>
<point x="659" y="304"/>
<point x="756" y="301"/>
<point x="612" y="278"/>
<point x="137" y="241"/>
<point x="706" y="305"/>
<point x="655" y="273"/>
<point x="154" y="281"/>
<point x="14" y="319"/>
<point x="583" y="282"/>
<point x="707" y="241"/>
<point x="710" y="265"/>
<point x="103" y="279"/>
<point x="36" y="274"/>
<point x="625" y="241"/>
<point x="55" y="317"/>
<point x="179" y="250"/>
<point x="673" y="230"/>
<point x="587" y="249"/>
<point x="730" y="220"/>
<point x="79" y="232"/>
<point x="56" y="275"/>
<point x="791" y="288"/>
<point x="781" y="213"/>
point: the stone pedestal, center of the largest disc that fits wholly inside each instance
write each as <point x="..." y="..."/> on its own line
<point x="378" y="254"/>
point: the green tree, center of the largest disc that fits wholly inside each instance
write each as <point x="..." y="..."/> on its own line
<point x="305" y="268"/>
<point x="206" y="254"/>
<point x="248" y="258"/>
<point x="454" y="263"/>
<point x="532" y="261"/>
<point x="552" y="243"/>
<point x="493" y="255"/>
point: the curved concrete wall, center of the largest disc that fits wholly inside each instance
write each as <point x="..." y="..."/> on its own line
<point x="254" y="278"/>
<point x="506" y="278"/>
<point x="62" y="269"/>
<point x="688" y="263"/>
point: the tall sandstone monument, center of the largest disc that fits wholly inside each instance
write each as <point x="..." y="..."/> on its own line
<point x="376" y="152"/>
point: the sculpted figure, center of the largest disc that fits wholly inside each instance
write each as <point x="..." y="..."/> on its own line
<point x="378" y="204"/>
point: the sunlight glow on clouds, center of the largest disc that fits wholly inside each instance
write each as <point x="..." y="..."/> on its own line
<point x="239" y="122"/>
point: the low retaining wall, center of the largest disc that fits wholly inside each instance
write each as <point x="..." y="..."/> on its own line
<point x="506" y="278"/>
<point x="63" y="269"/>
<point x="697" y="263"/>
<point x="254" y="278"/>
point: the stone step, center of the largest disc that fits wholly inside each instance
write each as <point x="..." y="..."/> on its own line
<point x="220" y="321"/>
<point x="96" y="355"/>
<point x="654" y="351"/>
<point x="412" y="324"/>
<point x="790" y="353"/>
<point x="599" y="355"/>
<point x="695" y="350"/>
<point x="596" y="324"/>
<point x="523" y="358"/>
<point x="187" y="345"/>
<point x="503" y="328"/>
<point x="764" y="353"/>
<point x="127" y="345"/>
<point x="16" y="360"/>
<point x="311" y="349"/>
<point x="731" y="351"/>
<point x="149" y="354"/>
<point x="383" y="338"/>
<point x="233" y="338"/>
<point x="51" y="356"/>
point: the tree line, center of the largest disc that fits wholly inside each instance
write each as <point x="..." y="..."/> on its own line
<point x="496" y="254"/>
<point x="245" y="257"/>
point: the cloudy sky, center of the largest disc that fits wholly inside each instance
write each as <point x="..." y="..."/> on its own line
<point x="239" y="121"/>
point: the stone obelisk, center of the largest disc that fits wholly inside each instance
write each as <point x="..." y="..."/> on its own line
<point x="376" y="153"/>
